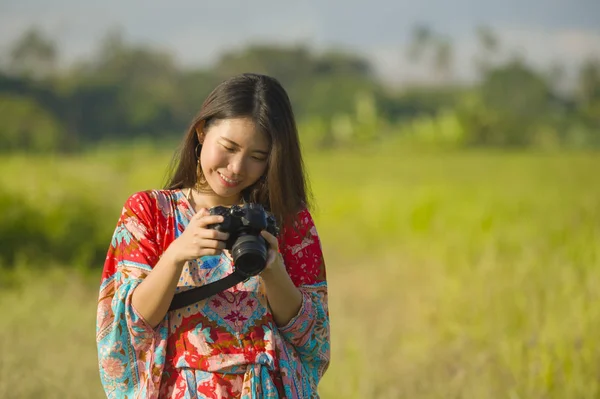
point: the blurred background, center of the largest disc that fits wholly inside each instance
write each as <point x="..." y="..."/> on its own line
<point x="453" y="150"/>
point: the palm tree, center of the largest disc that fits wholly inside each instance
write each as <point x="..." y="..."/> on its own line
<point x="33" y="55"/>
<point x="437" y="47"/>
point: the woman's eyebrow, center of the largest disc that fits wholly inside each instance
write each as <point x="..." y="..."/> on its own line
<point x="233" y="143"/>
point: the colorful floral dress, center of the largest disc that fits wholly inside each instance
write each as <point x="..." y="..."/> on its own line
<point x="226" y="346"/>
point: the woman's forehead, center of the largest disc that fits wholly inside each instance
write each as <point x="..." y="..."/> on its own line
<point x="240" y="131"/>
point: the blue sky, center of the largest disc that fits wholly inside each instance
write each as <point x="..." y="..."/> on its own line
<point x="197" y="32"/>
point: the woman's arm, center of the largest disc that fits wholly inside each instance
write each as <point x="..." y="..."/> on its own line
<point x="153" y="296"/>
<point x="296" y="286"/>
<point x="284" y="298"/>
<point x="303" y="320"/>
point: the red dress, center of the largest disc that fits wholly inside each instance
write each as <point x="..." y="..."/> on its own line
<point x="225" y="346"/>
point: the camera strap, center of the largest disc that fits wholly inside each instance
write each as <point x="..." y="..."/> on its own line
<point x="189" y="297"/>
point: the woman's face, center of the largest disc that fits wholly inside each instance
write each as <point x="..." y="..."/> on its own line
<point x="234" y="156"/>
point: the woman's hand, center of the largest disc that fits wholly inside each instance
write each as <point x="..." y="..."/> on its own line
<point x="274" y="258"/>
<point x="285" y="300"/>
<point x="197" y="240"/>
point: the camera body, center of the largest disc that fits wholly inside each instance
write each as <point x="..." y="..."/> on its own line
<point x="244" y="223"/>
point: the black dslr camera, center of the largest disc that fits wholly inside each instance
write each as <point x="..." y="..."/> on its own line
<point x="244" y="224"/>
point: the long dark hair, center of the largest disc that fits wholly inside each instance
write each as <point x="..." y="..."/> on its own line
<point x="283" y="189"/>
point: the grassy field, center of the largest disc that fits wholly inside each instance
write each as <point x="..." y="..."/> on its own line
<point x="452" y="275"/>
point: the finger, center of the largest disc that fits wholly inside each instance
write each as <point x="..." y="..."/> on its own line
<point x="201" y="213"/>
<point x="216" y="244"/>
<point x="205" y="220"/>
<point x="271" y="240"/>
<point x="210" y="252"/>
<point x="213" y="234"/>
<point x="271" y="257"/>
<point x="210" y="244"/>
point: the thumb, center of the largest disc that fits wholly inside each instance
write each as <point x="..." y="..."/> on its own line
<point x="203" y="212"/>
<point x="271" y="240"/>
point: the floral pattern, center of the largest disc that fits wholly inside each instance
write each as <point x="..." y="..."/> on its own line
<point x="225" y="346"/>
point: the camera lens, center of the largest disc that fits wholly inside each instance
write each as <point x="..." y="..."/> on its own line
<point x="249" y="254"/>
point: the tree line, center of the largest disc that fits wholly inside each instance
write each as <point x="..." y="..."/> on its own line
<point x="125" y="91"/>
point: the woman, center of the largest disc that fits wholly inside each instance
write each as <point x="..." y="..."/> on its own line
<point x="265" y="337"/>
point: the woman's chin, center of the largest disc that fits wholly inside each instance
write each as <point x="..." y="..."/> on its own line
<point x="229" y="193"/>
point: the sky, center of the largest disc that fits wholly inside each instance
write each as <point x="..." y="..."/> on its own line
<point x="197" y="32"/>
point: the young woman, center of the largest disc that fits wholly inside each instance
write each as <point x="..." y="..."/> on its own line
<point x="265" y="337"/>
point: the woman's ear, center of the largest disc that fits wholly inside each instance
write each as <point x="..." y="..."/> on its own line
<point x="200" y="132"/>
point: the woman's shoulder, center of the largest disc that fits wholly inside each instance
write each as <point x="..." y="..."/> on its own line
<point x="153" y="201"/>
<point x="301" y="221"/>
<point x="151" y="196"/>
<point x="301" y="248"/>
<point x="300" y="228"/>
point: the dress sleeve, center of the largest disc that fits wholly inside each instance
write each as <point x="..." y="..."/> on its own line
<point x="130" y="351"/>
<point x="308" y="332"/>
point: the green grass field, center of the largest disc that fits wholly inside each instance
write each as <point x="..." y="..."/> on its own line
<point x="452" y="275"/>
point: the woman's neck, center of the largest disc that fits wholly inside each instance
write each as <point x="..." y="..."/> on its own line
<point x="208" y="199"/>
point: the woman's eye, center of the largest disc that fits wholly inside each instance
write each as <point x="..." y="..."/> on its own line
<point x="228" y="149"/>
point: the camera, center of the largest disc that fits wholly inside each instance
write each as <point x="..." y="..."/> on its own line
<point x="244" y="223"/>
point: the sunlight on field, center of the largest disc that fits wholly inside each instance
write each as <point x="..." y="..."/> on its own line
<point x="465" y="275"/>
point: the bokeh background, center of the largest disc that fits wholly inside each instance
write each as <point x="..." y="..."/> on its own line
<point x="453" y="150"/>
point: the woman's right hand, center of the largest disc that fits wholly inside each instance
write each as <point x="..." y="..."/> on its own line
<point x="197" y="240"/>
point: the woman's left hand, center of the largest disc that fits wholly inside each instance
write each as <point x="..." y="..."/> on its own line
<point x="274" y="258"/>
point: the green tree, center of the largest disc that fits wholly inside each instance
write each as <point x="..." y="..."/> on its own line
<point x="33" y="55"/>
<point x="588" y="100"/>
<point x="435" y="48"/>
<point x="26" y="126"/>
<point x="508" y="109"/>
<point x="588" y="90"/>
<point x="489" y="47"/>
<point x="127" y="90"/>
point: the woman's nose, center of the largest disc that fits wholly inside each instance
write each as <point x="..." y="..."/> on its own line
<point x="236" y="165"/>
